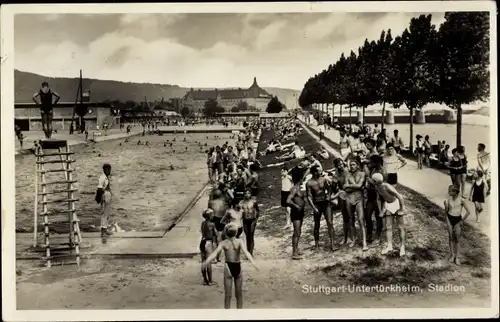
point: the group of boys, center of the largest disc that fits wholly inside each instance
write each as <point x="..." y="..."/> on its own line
<point x="233" y="200"/>
<point x="360" y="187"/>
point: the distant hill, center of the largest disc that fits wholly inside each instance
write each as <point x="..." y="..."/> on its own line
<point x="25" y="84"/>
<point x="485" y="111"/>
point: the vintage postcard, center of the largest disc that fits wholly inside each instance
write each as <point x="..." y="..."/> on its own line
<point x="300" y="160"/>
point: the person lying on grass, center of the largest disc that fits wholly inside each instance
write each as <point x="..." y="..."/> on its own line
<point x="323" y="153"/>
<point x="298" y="152"/>
<point x="232" y="247"/>
<point x="453" y="206"/>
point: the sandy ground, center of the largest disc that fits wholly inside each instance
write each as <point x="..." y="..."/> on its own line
<point x="150" y="184"/>
<point x="281" y="282"/>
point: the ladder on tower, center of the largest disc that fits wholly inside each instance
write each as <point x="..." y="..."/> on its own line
<point x="56" y="152"/>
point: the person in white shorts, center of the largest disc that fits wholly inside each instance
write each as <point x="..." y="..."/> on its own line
<point x="103" y="197"/>
<point x="391" y="207"/>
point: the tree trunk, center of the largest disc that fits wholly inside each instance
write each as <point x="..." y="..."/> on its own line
<point x="411" y="128"/>
<point x="333" y="112"/>
<point x="350" y="116"/>
<point x="382" y="122"/>
<point x="340" y="118"/>
<point x="364" y="109"/>
<point x="459" y="125"/>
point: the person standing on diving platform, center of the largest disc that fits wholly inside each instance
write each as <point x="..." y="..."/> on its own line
<point x="46" y="103"/>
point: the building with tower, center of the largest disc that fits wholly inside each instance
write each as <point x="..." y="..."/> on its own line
<point x="255" y="96"/>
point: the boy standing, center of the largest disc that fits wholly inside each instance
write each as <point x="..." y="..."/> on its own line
<point x="103" y="197"/>
<point x="208" y="240"/>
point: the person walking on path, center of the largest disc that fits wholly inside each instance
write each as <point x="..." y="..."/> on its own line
<point x="103" y="197"/>
<point x="456" y="169"/>
<point x="427" y="151"/>
<point x="478" y="193"/>
<point x="453" y="206"/>
<point x="397" y="142"/>
<point x="483" y="164"/>
<point x="463" y="169"/>
<point x="419" y="151"/>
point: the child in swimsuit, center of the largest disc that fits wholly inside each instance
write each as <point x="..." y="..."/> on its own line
<point x="478" y="193"/>
<point x="208" y="236"/>
<point x="232" y="248"/>
<point x="453" y="207"/>
<point x="234" y="216"/>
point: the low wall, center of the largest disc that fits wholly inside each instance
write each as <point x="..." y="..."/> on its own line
<point x="445" y="118"/>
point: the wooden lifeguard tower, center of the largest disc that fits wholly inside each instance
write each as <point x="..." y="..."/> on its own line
<point x="56" y="152"/>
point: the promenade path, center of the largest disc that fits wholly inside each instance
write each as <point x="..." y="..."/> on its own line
<point x="429" y="182"/>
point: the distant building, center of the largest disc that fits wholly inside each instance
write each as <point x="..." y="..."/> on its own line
<point x="27" y="115"/>
<point x="255" y="96"/>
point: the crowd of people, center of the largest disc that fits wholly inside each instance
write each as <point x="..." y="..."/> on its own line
<point x="378" y="154"/>
<point x="232" y="209"/>
<point x="362" y="138"/>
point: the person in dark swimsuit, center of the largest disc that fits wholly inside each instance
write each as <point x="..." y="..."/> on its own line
<point x="374" y="166"/>
<point x="210" y="163"/>
<point x="354" y="186"/>
<point x="463" y="169"/>
<point x="318" y="195"/>
<point x="251" y="213"/>
<point x="217" y="166"/>
<point x="478" y="192"/>
<point x="234" y="216"/>
<point x="208" y="240"/>
<point x="295" y="200"/>
<point x="339" y="178"/>
<point x="453" y="207"/>
<point x="240" y="184"/>
<point x="457" y="170"/>
<point x="253" y="182"/>
<point x="232" y="247"/>
<point x="46" y="103"/>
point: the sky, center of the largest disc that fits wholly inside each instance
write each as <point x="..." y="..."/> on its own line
<point x="196" y="49"/>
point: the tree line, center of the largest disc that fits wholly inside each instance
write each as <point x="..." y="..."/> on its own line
<point x="210" y="107"/>
<point x="423" y="65"/>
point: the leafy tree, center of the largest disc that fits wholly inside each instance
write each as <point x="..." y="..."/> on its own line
<point x="463" y="61"/>
<point x="242" y="106"/>
<point x="185" y="112"/>
<point x="274" y="105"/>
<point x="129" y="104"/>
<point x="350" y="87"/>
<point x="211" y="108"/>
<point x="235" y="109"/>
<point x="387" y="72"/>
<point x="366" y="77"/>
<point x="419" y="75"/>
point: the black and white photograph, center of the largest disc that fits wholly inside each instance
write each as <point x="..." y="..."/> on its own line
<point x="308" y="160"/>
